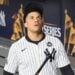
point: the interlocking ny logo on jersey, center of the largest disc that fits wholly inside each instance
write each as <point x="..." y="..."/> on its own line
<point x="50" y="56"/>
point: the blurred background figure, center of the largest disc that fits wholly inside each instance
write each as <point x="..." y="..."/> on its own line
<point x="4" y="2"/>
<point x="18" y="29"/>
<point x="68" y="24"/>
<point x="71" y="41"/>
<point x="69" y="33"/>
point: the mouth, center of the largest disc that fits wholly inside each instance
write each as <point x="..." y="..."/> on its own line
<point x="36" y="25"/>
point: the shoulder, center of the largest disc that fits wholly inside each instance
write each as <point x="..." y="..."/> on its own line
<point x="18" y="44"/>
<point x="56" y="42"/>
<point x="52" y="38"/>
<point x="19" y="41"/>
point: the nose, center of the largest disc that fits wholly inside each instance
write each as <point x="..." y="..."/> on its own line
<point x="35" y="19"/>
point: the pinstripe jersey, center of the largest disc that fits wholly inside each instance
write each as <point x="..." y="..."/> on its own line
<point x="28" y="56"/>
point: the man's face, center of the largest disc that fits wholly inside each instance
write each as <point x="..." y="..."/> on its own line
<point x="34" y="22"/>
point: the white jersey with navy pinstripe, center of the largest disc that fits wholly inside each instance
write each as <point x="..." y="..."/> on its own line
<point x="28" y="57"/>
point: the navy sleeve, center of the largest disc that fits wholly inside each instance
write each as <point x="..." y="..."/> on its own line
<point x="67" y="70"/>
<point x="7" y="73"/>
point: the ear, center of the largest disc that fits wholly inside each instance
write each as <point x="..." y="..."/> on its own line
<point x="25" y="25"/>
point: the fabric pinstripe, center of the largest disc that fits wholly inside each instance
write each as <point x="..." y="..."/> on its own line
<point x="28" y="57"/>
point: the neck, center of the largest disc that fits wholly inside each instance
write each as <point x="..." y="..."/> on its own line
<point x="35" y="36"/>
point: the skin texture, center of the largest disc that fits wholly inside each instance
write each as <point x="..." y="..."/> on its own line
<point x="34" y="24"/>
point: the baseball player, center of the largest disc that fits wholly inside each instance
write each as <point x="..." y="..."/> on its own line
<point x="37" y="53"/>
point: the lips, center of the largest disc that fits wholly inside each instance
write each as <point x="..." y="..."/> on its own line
<point x="36" y="25"/>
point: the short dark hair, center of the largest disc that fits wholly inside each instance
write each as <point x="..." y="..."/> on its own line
<point x="33" y="6"/>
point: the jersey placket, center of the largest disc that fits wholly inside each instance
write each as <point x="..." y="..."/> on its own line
<point x="38" y="57"/>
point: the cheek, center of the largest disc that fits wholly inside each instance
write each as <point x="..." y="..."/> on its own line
<point x="41" y="23"/>
<point x="29" y="25"/>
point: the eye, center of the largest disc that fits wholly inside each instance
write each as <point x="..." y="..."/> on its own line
<point x="31" y="17"/>
<point x="39" y="17"/>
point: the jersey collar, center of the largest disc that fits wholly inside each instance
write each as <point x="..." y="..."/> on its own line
<point x="36" y="42"/>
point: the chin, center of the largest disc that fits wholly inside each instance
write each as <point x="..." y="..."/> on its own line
<point x="38" y="31"/>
